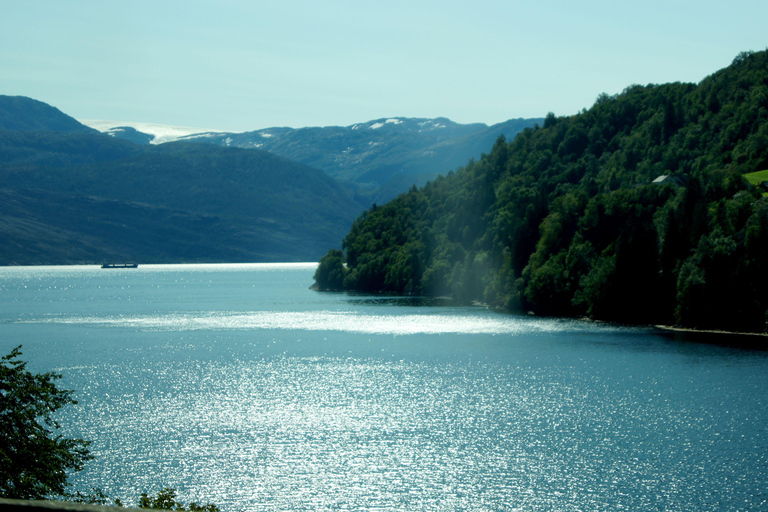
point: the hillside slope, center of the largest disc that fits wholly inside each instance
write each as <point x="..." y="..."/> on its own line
<point x="383" y="157"/>
<point x="379" y="158"/>
<point x="575" y="218"/>
<point x="86" y="197"/>
<point x="39" y="227"/>
<point x="22" y="113"/>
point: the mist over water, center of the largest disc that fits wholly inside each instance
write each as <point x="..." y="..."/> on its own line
<point x="239" y="386"/>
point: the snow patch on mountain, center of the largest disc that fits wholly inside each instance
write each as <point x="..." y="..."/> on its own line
<point x="380" y="123"/>
<point x="430" y="123"/>
<point x="160" y="133"/>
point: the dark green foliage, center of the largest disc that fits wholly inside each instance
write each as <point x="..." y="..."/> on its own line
<point x="565" y="219"/>
<point x="380" y="263"/>
<point x="34" y="459"/>
<point x="330" y="272"/>
<point x="166" y="500"/>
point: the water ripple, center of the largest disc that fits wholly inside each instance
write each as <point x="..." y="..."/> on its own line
<point x="363" y="434"/>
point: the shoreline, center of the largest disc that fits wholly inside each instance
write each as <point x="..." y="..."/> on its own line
<point x="709" y="331"/>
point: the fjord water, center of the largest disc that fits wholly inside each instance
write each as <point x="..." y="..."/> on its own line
<point x="237" y="385"/>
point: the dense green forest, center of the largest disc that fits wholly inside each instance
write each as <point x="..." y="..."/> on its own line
<point x="572" y="218"/>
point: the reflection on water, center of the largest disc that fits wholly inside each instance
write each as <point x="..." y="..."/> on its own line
<point x="722" y="339"/>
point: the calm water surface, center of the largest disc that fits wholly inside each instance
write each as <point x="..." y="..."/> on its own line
<point x="237" y="385"/>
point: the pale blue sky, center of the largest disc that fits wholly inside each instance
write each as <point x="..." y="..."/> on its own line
<point x="243" y="65"/>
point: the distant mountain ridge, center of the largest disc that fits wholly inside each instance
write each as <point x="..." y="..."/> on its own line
<point x="382" y="157"/>
<point x="70" y="194"/>
<point x="143" y="132"/>
<point x="27" y="114"/>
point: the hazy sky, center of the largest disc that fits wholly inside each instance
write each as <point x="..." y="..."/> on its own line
<point x="243" y="64"/>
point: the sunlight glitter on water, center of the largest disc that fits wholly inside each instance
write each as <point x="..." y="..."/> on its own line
<point x="238" y="385"/>
<point x="307" y="434"/>
<point x="329" y="433"/>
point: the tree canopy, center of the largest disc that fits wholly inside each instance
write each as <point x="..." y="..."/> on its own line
<point x="634" y="210"/>
<point x="34" y="458"/>
<point x="165" y="499"/>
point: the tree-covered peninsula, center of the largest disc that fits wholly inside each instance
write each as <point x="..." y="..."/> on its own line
<point x="636" y="210"/>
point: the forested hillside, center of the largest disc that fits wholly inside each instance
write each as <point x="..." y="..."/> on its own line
<point x="571" y="218"/>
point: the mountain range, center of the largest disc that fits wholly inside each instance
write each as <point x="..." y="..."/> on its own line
<point x="72" y="194"/>
<point x="382" y="157"/>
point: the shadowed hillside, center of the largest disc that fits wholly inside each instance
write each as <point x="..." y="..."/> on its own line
<point x="383" y="157"/>
<point x="22" y="113"/>
<point x="77" y="196"/>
